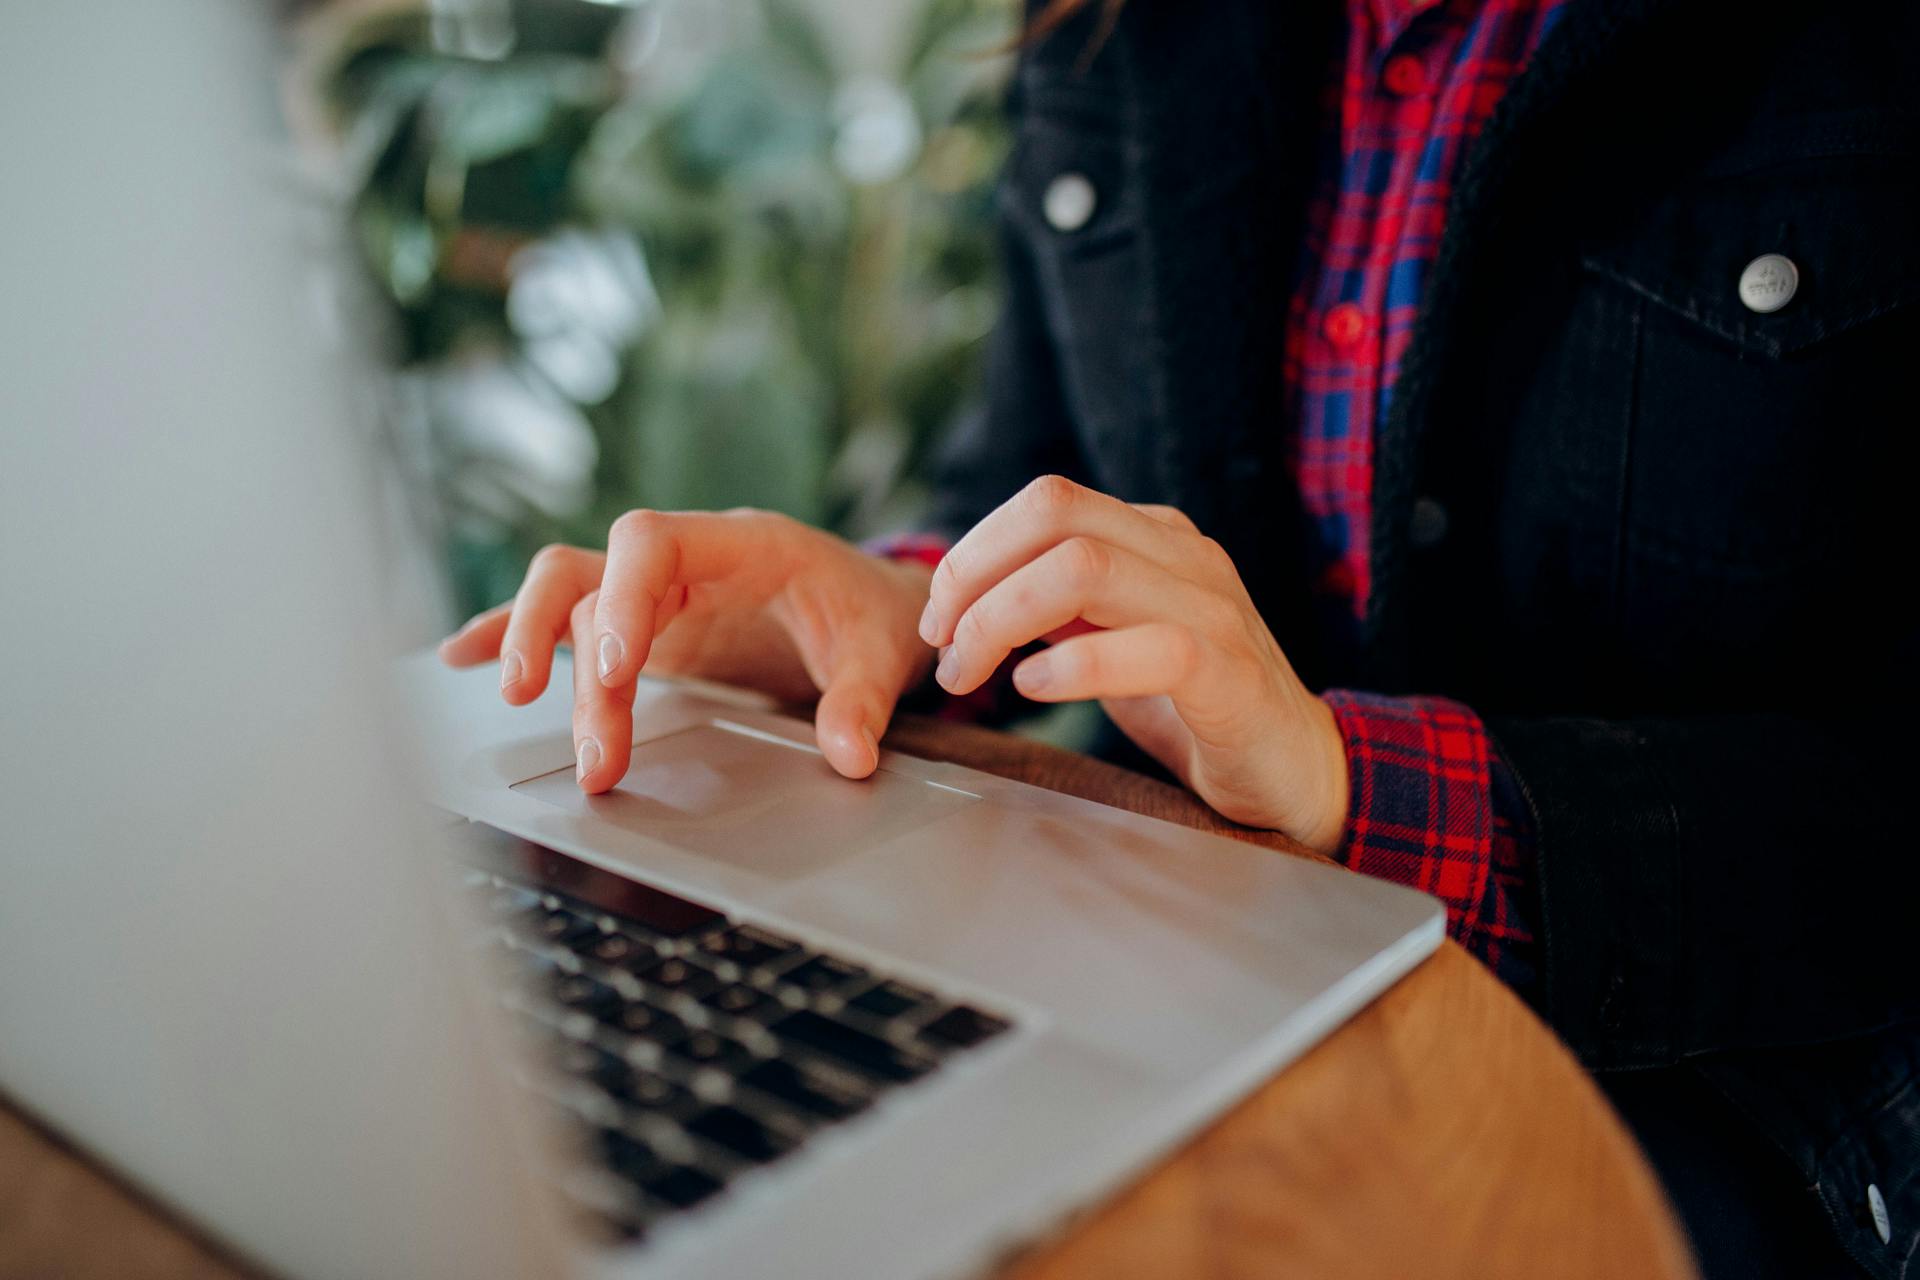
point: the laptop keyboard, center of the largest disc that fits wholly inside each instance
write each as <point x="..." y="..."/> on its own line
<point x="693" y="1047"/>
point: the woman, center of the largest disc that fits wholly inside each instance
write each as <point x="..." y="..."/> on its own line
<point x="1465" y="435"/>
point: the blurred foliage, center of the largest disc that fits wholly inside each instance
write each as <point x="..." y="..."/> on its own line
<point x="670" y="253"/>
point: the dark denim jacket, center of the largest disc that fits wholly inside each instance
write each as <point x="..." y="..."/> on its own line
<point x="1678" y="530"/>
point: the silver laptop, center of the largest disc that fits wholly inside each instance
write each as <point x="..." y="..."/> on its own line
<point x="745" y="1018"/>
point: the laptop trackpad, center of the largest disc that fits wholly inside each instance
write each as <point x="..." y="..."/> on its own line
<point x="758" y="803"/>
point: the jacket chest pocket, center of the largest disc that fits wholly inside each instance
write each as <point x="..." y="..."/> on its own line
<point x="1770" y="315"/>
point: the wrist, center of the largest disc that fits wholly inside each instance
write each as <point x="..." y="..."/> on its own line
<point x="1325" y="828"/>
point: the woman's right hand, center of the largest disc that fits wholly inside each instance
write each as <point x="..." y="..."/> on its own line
<point x="746" y="597"/>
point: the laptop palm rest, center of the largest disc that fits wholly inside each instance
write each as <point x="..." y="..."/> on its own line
<point x="752" y="800"/>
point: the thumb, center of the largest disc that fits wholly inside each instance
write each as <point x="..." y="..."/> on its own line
<point x="856" y="703"/>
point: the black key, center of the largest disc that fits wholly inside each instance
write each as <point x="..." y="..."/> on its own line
<point x="648" y="1092"/>
<point x="870" y="1054"/>
<point x="556" y="926"/>
<point x="588" y="995"/>
<point x="676" y="974"/>
<point x="629" y="1157"/>
<point x="644" y="1022"/>
<point x="711" y="1049"/>
<point x="890" y="1000"/>
<point x="823" y="973"/>
<point x="740" y="1133"/>
<point x="748" y="946"/>
<point x="590" y="1062"/>
<point x="617" y="948"/>
<point x="744" y="1002"/>
<point x="962" y="1027"/>
<point x="681" y="1186"/>
<point x="813" y="1090"/>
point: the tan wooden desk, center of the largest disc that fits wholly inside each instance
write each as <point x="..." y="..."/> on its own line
<point x="1443" y="1132"/>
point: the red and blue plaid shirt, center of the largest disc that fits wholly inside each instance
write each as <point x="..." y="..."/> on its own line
<point x="1433" y="803"/>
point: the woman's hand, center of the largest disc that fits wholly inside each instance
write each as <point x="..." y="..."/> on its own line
<point x="1149" y="616"/>
<point x="747" y="597"/>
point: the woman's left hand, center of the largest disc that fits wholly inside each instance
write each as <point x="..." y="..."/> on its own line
<point x="1148" y="615"/>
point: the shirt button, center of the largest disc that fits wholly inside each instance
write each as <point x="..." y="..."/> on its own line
<point x="1345" y="325"/>
<point x="1877" y="1206"/>
<point x="1769" y="282"/>
<point x="1406" y="75"/>
<point x="1069" y="202"/>
<point x="1429" y="523"/>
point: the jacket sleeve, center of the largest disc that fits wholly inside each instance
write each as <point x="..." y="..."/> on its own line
<point x="1710" y="883"/>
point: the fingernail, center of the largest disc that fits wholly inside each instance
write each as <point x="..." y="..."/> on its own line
<point x="611" y="651"/>
<point x="928" y="621"/>
<point x="873" y="747"/>
<point x="511" y="669"/>
<point x="943" y="674"/>
<point x="1033" y="676"/>
<point x="586" y="757"/>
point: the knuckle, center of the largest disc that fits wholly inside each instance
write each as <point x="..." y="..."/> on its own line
<point x="1051" y="496"/>
<point x="1214" y="554"/>
<point x="550" y="558"/>
<point x="1086" y="560"/>
<point x="638" y="525"/>
<point x="975" y="629"/>
<point x="946" y="575"/>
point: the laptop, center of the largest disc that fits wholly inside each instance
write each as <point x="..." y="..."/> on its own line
<point x="329" y="954"/>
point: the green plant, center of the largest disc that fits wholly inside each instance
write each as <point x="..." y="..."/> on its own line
<point x="670" y="255"/>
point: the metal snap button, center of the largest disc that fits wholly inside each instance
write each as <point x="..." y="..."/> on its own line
<point x="1069" y="202"/>
<point x="1429" y="523"/>
<point x="1769" y="282"/>
<point x="1877" y="1206"/>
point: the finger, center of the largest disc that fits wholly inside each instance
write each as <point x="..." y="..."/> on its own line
<point x="1132" y="662"/>
<point x="1167" y="515"/>
<point x="1081" y="579"/>
<point x="856" y="702"/>
<point x="556" y="579"/>
<point x="602" y="717"/>
<point x="479" y="640"/>
<point x="652" y="557"/>
<point x="1046" y="512"/>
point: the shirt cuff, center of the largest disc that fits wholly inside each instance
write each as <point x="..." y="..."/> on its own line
<point x="922" y="548"/>
<point x="1435" y="806"/>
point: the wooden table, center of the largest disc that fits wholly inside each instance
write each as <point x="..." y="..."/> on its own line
<point x="1443" y="1132"/>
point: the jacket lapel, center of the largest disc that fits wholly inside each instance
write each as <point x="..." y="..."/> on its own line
<point x="1529" y="121"/>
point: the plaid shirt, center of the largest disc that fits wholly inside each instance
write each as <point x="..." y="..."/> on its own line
<point x="1433" y="803"/>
